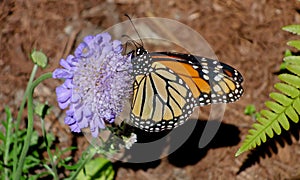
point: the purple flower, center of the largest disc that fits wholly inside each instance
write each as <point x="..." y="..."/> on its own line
<point x="97" y="81"/>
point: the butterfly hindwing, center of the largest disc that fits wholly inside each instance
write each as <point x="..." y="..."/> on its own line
<point x="161" y="99"/>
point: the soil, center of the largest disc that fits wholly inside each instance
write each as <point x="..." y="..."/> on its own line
<point x="245" y="34"/>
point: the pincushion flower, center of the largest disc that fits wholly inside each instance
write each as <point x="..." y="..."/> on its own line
<point x="97" y="81"/>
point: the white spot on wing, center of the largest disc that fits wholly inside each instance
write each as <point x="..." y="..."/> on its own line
<point x="205" y="77"/>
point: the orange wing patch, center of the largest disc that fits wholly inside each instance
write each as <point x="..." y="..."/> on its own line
<point x="202" y="85"/>
<point x="228" y="72"/>
<point x="189" y="75"/>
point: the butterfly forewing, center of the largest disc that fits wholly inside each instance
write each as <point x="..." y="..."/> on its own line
<point x="210" y="81"/>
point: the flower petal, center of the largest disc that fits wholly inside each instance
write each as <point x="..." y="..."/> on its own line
<point x="83" y="50"/>
<point x="78" y="114"/>
<point x="72" y="124"/>
<point x="63" y="105"/>
<point x="117" y="46"/>
<point x="87" y="112"/>
<point x="62" y="74"/>
<point x="75" y="98"/>
<point x="106" y="37"/>
<point x="84" y="122"/>
<point x="65" y="64"/>
<point x="88" y="39"/>
<point x="63" y="94"/>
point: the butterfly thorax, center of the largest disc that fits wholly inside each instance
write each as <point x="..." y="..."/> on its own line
<point x="141" y="62"/>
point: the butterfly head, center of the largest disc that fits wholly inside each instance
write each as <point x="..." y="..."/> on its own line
<point x="139" y="51"/>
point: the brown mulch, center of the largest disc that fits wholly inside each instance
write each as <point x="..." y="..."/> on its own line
<point x="246" y="34"/>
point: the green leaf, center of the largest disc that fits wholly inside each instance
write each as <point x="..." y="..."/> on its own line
<point x="252" y="131"/>
<point x="294" y="43"/>
<point x="69" y="158"/>
<point x="287" y="89"/>
<point x="292" y="60"/>
<point x="294" y="28"/>
<point x="68" y="149"/>
<point x="268" y="114"/>
<point x="37" y="176"/>
<point x="257" y="126"/>
<point x="34" y="138"/>
<point x="49" y="169"/>
<point x="276" y="127"/>
<point x="71" y="167"/>
<point x="263" y="120"/>
<point x="282" y="66"/>
<point x="50" y="138"/>
<point x="39" y="58"/>
<point x="290" y="79"/>
<point x="98" y="169"/>
<point x="287" y="53"/>
<point x="30" y="162"/>
<point x="282" y="99"/>
<point x="270" y="132"/>
<point x="291" y="113"/>
<point x="296" y="105"/>
<point x="293" y="68"/>
<point x="284" y="122"/>
<point x="257" y="115"/>
<point x="42" y="109"/>
<point x="274" y="106"/>
<point x="2" y="137"/>
<point x="249" y="110"/>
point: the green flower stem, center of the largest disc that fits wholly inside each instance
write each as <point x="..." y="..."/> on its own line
<point x="15" y="146"/>
<point x="32" y="75"/>
<point x="7" y="140"/>
<point x="52" y="161"/>
<point x="90" y="154"/>
<point x="43" y="77"/>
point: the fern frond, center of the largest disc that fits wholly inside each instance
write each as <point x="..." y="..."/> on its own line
<point x="284" y="106"/>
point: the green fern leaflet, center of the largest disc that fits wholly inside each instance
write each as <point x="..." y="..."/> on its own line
<point x="294" y="28"/>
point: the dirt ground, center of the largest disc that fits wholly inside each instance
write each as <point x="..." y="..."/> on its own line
<point x="245" y="34"/>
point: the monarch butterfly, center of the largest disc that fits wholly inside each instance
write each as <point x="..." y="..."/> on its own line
<point x="168" y="85"/>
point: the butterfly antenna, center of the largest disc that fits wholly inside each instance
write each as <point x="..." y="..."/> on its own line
<point x="134" y="28"/>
